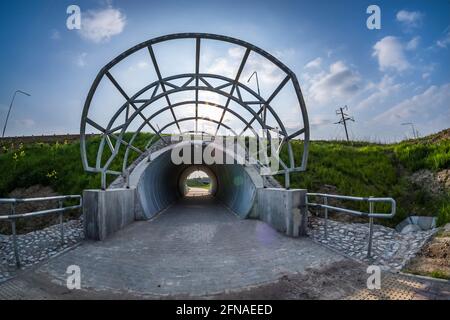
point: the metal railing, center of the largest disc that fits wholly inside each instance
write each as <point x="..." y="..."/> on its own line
<point x="13" y="216"/>
<point x="371" y="215"/>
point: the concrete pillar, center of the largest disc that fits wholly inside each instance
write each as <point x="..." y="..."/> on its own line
<point x="107" y="211"/>
<point x="283" y="209"/>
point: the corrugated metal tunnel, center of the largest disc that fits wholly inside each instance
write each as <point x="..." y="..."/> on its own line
<point x="161" y="183"/>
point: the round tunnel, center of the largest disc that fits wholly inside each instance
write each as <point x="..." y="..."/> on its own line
<point x="160" y="183"/>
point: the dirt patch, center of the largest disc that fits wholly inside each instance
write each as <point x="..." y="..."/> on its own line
<point x="443" y="177"/>
<point x="35" y="223"/>
<point x="434" y="258"/>
<point x="441" y="135"/>
<point x="427" y="180"/>
<point x="337" y="281"/>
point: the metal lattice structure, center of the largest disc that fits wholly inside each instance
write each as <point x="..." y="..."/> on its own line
<point x="233" y="89"/>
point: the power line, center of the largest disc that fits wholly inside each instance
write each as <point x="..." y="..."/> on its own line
<point x="344" y="118"/>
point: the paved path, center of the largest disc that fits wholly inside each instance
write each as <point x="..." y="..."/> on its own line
<point x="197" y="192"/>
<point x="195" y="247"/>
<point x="198" y="248"/>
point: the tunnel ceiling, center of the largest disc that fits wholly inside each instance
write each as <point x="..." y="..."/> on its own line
<point x="191" y="83"/>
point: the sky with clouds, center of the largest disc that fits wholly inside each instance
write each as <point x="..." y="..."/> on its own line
<point x="386" y="77"/>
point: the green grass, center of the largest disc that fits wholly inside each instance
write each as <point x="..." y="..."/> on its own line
<point x="365" y="169"/>
<point x="196" y="183"/>
<point x="433" y="274"/>
<point x="57" y="165"/>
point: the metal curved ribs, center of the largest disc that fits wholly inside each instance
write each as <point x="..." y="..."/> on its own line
<point x="232" y="89"/>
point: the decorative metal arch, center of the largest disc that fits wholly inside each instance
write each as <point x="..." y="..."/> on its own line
<point x="231" y="89"/>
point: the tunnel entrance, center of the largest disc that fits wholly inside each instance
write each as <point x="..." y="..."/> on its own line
<point x="160" y="183"/>
<point x="176" y="85"/>
<point x="197" y="184"/>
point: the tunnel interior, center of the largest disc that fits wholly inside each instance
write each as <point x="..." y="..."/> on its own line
<point x="162" y="183"/>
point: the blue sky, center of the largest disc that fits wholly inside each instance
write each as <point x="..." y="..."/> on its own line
<point x="397" y="74"/>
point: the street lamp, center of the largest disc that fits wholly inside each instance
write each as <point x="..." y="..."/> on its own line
<point x="10" y="107"/>
<point x="415" y="134"/>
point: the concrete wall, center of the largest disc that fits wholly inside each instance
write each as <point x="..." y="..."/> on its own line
<point x="107" y="211"/>
<point x="283" y="209"/>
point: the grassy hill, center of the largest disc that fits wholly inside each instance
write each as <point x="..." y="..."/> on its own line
<point x="360" y="169"/>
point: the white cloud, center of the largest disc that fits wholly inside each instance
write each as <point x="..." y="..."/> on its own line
<point x="316" y="63"/>
<point x="55" y="35"/>
<point x="319" y="120"/>
<point x="410" y="18"/>
<point x="140" y="65"/>
<point x="426" y="75"/>
<point x="444" y="41"/>
<point x="379" y="93"/>
<point x="390" y="54"/>
<point x="413" y="43"/>
<point x="431" y="104"/>
<point x="339" y="82"/>
<point x="28" y="123"/>
<point x="268" y="73"/>
<point x="81" y="60"/>
<point x="100" y="25"/>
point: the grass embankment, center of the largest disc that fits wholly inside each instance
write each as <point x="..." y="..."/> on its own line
<point x="360" y="169"/>
<point x="197" y="183"/>
<point x="57" y="165"/>
<point x="365" y="169"/>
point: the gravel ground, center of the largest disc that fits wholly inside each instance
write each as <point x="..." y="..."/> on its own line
<point x="37" y="246"/>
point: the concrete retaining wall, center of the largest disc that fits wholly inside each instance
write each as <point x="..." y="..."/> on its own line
<point x="283" y="209"/>
<point x="107" y="211"/>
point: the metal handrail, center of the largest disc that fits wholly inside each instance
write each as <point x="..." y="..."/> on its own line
<point x="13" y="216"/>
<point x="371" y="215"/>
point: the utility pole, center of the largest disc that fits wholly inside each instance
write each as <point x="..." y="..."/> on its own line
<point x="344" y="118"/>
<point x="415" y="133"/>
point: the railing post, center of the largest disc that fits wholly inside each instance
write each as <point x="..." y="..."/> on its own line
<point x="14" y="236"/>
<point x="325" y="202"/>
<point x="369" y="246"/>
<point x="61" y="225"/>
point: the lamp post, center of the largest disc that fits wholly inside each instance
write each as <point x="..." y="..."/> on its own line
<point x="10" y="107"/>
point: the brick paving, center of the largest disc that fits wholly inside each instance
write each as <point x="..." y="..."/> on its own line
<point x="198" y="248"/>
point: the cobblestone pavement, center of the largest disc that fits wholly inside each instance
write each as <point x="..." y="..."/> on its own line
<point x="37" y="246"/>
<point x="390" y="249"/>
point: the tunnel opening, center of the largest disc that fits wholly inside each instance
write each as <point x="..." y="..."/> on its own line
<point x="161" y="183"/>
<point x="197" y="184"/>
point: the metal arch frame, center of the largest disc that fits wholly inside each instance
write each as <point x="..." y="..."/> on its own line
<point x="164" y="83"/>
<point x="138" y="111"/>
